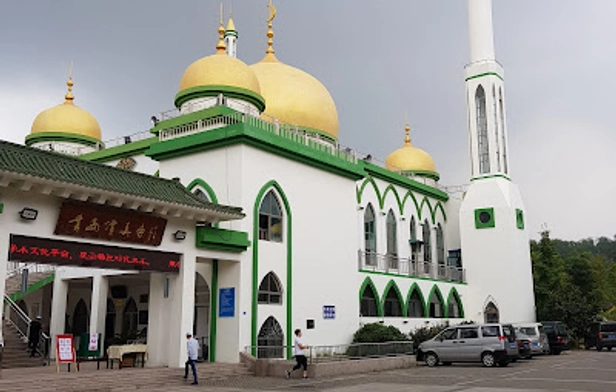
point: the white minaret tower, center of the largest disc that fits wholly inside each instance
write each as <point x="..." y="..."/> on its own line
<point x="231" y="37"/>
<point x="494" y="238"/>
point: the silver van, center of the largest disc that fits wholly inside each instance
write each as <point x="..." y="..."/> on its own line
<point x="489" y="344"/>
<point x="538" y="337"/>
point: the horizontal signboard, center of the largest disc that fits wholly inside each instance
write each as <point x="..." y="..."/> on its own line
<point x="49" y="251"/>
<point x="109" y="223"/>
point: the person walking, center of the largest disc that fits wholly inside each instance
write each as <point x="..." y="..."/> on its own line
<point x="34" y="335"/>
<point x="192" y="347"/>
<point x="300" y="356"/>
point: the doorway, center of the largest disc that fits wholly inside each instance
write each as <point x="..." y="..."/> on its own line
<point x="201" y="319"/>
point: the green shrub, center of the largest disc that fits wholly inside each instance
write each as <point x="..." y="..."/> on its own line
<point x="377" y="333"/>
<point x="422" y="334"/>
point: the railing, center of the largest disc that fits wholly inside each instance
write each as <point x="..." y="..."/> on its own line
<point x="135" y="137"/>
<point x="339" y="352"/>
<point x="17" y="268"/>
<point x="371" y="261"/>
<point x="20" y="320"/>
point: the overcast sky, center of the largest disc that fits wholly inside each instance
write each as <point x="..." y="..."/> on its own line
<point x="377" y="58"/>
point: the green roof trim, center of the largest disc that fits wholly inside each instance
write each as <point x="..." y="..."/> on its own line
<point x="119" y="152"/>
<point x="258" y="138"/>
<point x="405" y="182"/>
<point x="212" y="91"/>
<point x="62" y="137"/>
<point x="222" y="239"/>
<point x="424" y="173"/>
<point x="52" y="166"/>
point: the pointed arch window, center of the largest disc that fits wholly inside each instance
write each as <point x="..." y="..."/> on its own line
<point x="496" y="127"/>
<point x="369" y="306"/>
<point x="415" y="307"/>
<point x="491" y="313"/>
<point x="440" y="245"/>
<point x="392" y="241"/>
<point x="454" y="307"/>
<point x="436" y="305"/>
<point x="130" y="318"/>
<point x="502" y="123"/>
<point x="270" y="218"/>
<point x="482" y="130"/>
<point x="427" y="241"/>
<point x="81" y="318"/>
<point x="370" y="235"/>
<point x="393" y="305"/>
<point x="414" y="243"/>
<point x="270" y="339"/>
<point x="270" y="290"/>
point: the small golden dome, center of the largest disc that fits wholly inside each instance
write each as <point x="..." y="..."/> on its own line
<point x="296" y="97"/>
<point x="220" y="70"/>
<point x="67" y="118"/>
<point x="409" y="158"/>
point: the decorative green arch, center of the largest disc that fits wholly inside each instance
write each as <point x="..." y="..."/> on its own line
<point x="360" y="191"/>
<point x="425" y="201"/>
<point x="415" y="288"/>
<point x="392" y="285"/>
<point x="453" y="293"/>
<point x="206" y="187"/>
<point x="368" y="282"/>
<point x="439" y="206"/>
<point x="392" y="189"/>
<point x="255" y="264"/>
<point x="412" y="196"/>
<point x="435" y="291"/>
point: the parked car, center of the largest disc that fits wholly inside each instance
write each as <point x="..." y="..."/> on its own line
<point x="524" y="345"/>
<point x="601" y="334"/>
<point x="539" y="339"/>
<point x="490" y="344"/>
<point x="558" y="336"/>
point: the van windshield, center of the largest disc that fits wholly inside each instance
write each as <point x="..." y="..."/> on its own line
<point x="608" y="328"/>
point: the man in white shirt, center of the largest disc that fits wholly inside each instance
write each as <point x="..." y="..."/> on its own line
<point x="300" y="356"/>
<point x="192" y="347"/>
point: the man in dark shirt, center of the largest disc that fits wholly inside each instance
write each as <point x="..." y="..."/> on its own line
<point x="35" y="335"/>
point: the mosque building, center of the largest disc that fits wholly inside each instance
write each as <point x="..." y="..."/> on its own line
<point x="239" y="217"/>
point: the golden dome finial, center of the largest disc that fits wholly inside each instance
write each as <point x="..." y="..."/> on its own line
<point x="69" y="94"/>
<point x="407" y="129"/>
<point x="270" y="32"/>
<point x="221" y="47"/>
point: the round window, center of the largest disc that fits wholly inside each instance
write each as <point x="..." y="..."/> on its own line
<point x="485" y="217"/>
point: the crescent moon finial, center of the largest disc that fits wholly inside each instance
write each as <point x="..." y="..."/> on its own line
<point x="272" y="12"/>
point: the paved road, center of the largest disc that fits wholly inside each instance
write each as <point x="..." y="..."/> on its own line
<point x="587" y="371"/>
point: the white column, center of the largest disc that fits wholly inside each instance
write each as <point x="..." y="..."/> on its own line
<point x="98" y="311"/>
<point x="4" y="250"/>
<point x="480" y="30"/>
<point x="58" y="311"/>
<point x="183" y="308"/>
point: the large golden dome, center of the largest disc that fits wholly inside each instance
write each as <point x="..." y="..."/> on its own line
<point x="295" y="97"/>
<point x="410" y="159"/>
<point x="68" y="119"/>
<point x="220" y="69"/>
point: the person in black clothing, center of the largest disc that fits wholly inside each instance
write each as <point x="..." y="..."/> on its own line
<point x="34" y="335"/>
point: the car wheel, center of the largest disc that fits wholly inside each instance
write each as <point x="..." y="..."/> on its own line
<point x="599" y="348"/>
<point x="514" y="360"/>
<point x="503" y="363"/>
<point x="431" y="359"/>
<point x="609" y="349"/>
<point x="556" y="352"/>
<point x="488" y="360"/>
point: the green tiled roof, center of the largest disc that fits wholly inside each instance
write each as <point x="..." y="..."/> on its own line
<point x="53" y="166"/>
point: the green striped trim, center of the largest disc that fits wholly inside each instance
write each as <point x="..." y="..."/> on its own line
<point x="484" y="74"/>
<point x="62" y="137"/>
<point x="214" y="90"/>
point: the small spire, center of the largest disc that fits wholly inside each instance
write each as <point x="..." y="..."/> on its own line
<point x="221" y="47"/>
<point x="407" y="138"/>
<point x="230" y="24"/>
<point x="69" y="95"/>
<point x="270" y="32"/>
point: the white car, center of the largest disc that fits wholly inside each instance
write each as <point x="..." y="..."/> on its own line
<point x="538" y="337"/>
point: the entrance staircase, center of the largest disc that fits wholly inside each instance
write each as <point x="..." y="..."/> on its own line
<point x="16" y="353"/>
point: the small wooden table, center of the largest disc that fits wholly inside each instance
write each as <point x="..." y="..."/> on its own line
<point x="118" y="352"/>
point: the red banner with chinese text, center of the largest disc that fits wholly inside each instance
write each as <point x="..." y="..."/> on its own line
<point x="48" y="251"/>
<point x="109" y="223"/>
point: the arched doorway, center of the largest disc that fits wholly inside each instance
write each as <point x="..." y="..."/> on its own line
<point x="491" y="313"/>
<point x="130" y="319"/>
<point x="81" y="317"/>
<point x="201" y="319"/>
<point x="271" y="339"/>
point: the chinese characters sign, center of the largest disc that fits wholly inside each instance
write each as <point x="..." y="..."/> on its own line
<point x="48" y="251"/>
<point x="109" y="223"/>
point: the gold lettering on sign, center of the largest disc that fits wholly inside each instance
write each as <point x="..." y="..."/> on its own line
<point x="77" y="221"/>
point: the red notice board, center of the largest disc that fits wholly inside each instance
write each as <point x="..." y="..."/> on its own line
<point x="65" y="349"/>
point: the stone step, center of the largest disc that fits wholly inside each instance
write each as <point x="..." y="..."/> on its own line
<point x="16" y="353"/>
